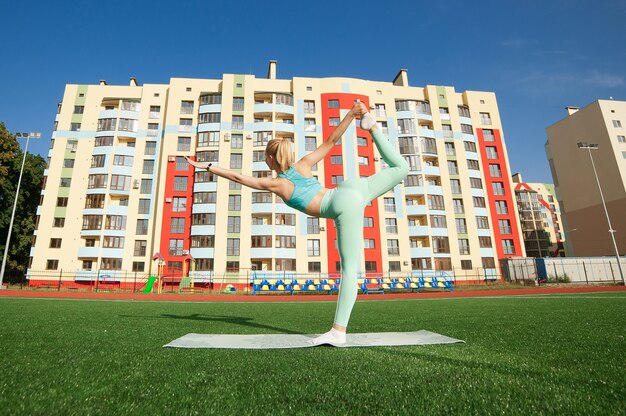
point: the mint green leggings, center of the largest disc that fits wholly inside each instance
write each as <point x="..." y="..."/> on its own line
<point x="346" y="205"/>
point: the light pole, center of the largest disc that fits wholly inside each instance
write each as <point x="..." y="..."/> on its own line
<point x="589" y="147"/>
<point x="28" y="136"/>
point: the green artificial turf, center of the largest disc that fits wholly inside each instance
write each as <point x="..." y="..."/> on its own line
<point x="556" y="354"/>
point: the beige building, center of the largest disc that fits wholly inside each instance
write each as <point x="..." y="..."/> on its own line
<point x="601" y="125"/>
<point x="119" y="192"/>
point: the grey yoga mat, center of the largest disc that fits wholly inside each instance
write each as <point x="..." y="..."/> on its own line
<point x="278" y="341"/>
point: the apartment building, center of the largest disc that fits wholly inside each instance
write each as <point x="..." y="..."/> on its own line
<point x="540" y="218"/>
<point x="595" y="133"/>
<point x="119" y="196"/>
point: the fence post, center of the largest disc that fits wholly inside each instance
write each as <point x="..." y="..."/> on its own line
<point x="135" y="282"/>
<point x="585" y="270"/>
<point x="60" y="277"/>
<point x="612" y="272"/>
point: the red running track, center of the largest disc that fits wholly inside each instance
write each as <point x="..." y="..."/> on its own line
<point x="283" y="298"/>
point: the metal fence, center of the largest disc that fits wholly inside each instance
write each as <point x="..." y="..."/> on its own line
<point x="589" y="270"/>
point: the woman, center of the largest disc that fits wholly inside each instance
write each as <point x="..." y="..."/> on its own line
<point x="344" y="204"/>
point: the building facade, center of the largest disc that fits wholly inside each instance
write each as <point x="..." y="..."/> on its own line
<point x="603" y="125"/>
<point x="540" y="218"/>
<point x="119" y="193"/>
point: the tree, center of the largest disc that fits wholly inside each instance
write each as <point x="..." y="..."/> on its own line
<point x="25" y="214"/>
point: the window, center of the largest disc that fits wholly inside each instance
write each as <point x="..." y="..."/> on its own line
<point x="313" y="247"/>
<point x="184" y="144"/>
<point x="505" y="226"/>
<point x="464" y="246"/>
<point x="209" y="118"/>
<point x="309" y="124"/>
<point x="414" y="162"/>
<point x="485" y="118"/>
<point x="333" y="121"/>
<point x="492" y="152"/>
<point x="336" y="160"/>
<point x="443" y="264"/>
<point x="408" y="145"/>
<point x="261" y="197"/>
<point x="453" y="168"/>
<point x="436" y="202"/>
<point x="138" y="266"/>
<point x="470" y="146"/>
<point x="336" y="179"/>
<point x="204" y="198"/>
<point x="478" y="201"/>
<point x="482" y="223"/>
<point x="97" y="181"/>
<point x="153" y="130"/>
<point x="440" y="245"/>
<point x="406" y="126"/>
<point x="260" y="138"/>
<point x="87" y="264"/>
<point x="210" y="99"/>
<point x="617" y="123"/>
<point x="429" y="146"/>
<point x="115" y="222"/>
<point x="74" y="126"/>
<point x="127" y="124"/>
<point x="488" y="135"/>
<point x="52" y="264"/>
<point x="92" y="222"/>
<point x="476" y="183"/>
<point x="494" y="170"/>
<point x="621" y="139"/>
<point x="65" y="182"/>
<point x="261" y="241"/>
<point x="234" y="224"/>
<point x="393" y="248"/>
<point x="150" y="148"/>
<point x="58" y="222"/>
<point x="413" y="180"/>
<point x="146" y="186"/>
<point x="315" y="267"/>
<point x="176" y="247"/>
<point x="466" y="264"/>
<point x="120" y="182"/>
<point x="363" y="161"/>
<point x="467" y="129"/>
<point x="367" y="243"/>
<point x="203" y="219"/>
<point x="380" y="110"/>
<point x="390" y="204"/>
<point x="238" y="103"/>
<point x="184" y="124"/>
<point x="234" y="202"/>
<point x="55" y="243"/>
<point x="202" y="241"/>
<point x="237" y="123"/>
<point x="236" y="160"/>
<point x="148" y="167"/>
<point x="484" y="242"/>
<point x="236" y="141"/>
<point x="450" y="151"/>
<point x="285" y="264"/>
<point x="361" y="142"/>
<point x="93" y="201"/>
<point x="473" y="164"/>
<point x="285" y="241"/>
<point x="312" y="225"/>
<point x="502" y="208"/>
<point x="179" y="204"/>
<point x="310" y="143"/>
<point x="447" y="130"/>
<point x="508" y="247"/>
<point x="113" y="242"/>
<point x="391" y="225"/>
<point x="438" y="221"/>
<point x="488" y="263"/>
<point x="144" y="206"/>
<point x="333" y="103"/>
<point x="122" y="160"/>
<point x="498" y="188"/>
<point x="461" y="226"/>
<point x="155" y="111"/>
<point x="180" y="183"/>
<point x="142" y="227"/>
<point x="421" y="264"/>
<point x="309" y="107"/>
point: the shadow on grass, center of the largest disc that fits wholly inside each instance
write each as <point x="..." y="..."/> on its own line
<point x="236" y="320"/>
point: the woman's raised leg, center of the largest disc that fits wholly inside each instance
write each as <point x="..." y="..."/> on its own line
<point x="386" y="179"/>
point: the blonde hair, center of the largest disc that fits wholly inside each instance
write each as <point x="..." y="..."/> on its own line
<point x="280" y="150"/>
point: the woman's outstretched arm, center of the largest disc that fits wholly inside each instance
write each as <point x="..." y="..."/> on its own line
<point x="323" y="149"/>
<point x="265" y="184"/>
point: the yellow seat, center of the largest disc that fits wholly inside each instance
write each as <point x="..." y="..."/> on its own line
<point x="273" y="282"/>
<point x="331" y="281"/>
<point x="387" y="280"/>
<point x="265" y="287"/>
<point x="414" y="285"/>
<point x="360" y="281"/>
<point x="316" y="282"/>
<point x="398" y="285"/>
<point x="281" y="287"/>
<point x="311" y="287"/>
<point x="402" y="280"/>
<point x="385" y="286"/>
<point x="296" y="287"/>
<point x="326" y="287"/>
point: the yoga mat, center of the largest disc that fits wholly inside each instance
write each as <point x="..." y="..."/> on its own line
<point x="278" y="341"/>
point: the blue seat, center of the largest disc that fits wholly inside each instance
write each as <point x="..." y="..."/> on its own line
<point x="273" y="288"/>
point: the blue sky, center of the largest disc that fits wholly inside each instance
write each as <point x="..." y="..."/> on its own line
<point x="537" y="56"/>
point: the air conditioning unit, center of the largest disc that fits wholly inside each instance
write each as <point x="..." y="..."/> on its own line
<point x="406" y="263"/>
<point x="322" y="228"/>
<point x="227" y="137"/>
<point x="249" y="137"/>
<point x="375" y="159"/>
<point x="136" y="184"/>
<point x="168" y="199"/>
<point x="171" y="158"/>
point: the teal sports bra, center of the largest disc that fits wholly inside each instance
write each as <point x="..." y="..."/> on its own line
<point x="304" y="189"/>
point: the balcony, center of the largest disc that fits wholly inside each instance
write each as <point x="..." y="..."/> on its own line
<point x="418" y="230"/>
<point x="416" y="210"/>
<point x="263" y="229"/>
<point x="417" y="252"/>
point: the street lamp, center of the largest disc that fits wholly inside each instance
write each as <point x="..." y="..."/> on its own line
<point x="589" y="147"/>
<point x="27" y="136"/>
